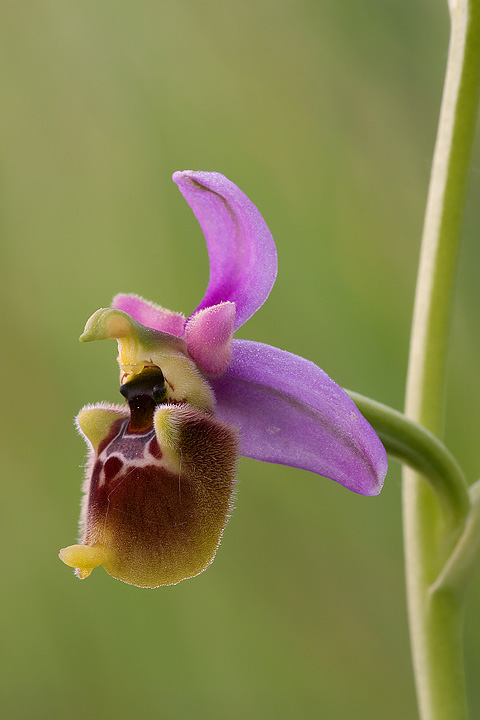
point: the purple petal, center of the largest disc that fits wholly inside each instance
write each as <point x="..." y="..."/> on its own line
<point x="208" y="334"/>
<point x="243" y="258"/>
<point x="150" y="314"/>
<point x="290" y="412"/>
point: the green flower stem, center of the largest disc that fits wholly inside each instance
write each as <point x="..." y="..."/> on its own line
<point x="418" y="448"/>
<point x="459" y="567"/>
<point x="435" y="615"/>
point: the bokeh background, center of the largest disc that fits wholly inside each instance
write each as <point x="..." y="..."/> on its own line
<point x="324" y="113"/>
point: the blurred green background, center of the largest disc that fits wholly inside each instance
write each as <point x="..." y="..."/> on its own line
<point x="324" y="113"/>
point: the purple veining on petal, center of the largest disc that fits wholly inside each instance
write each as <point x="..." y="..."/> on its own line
<point x="290" y="412"/>
<point x="150" y="314"/>
<point x="208" y="334"/>
<point x="243" y="257"/>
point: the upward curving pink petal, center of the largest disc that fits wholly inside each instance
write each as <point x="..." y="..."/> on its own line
<point x="243" y="258"/>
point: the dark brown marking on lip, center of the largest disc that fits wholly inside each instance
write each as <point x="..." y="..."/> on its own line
<point x="154" y="448"/>
<point x="112" y="467"/>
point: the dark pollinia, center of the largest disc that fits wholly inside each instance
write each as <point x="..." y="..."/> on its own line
<point x="143" y="393"/>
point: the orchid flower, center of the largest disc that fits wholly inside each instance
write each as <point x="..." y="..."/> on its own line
<point x="161" y="468"/>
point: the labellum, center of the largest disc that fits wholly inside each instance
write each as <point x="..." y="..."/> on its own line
<point x="159" y="484"/>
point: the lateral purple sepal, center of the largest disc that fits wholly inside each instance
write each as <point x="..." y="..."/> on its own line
<point x="291" y="412"/>
<point x="243" y="258"/>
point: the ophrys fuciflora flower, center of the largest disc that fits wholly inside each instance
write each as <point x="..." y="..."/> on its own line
<point x="161" y="470"/>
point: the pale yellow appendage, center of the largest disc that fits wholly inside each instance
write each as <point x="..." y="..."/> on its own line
<point x="167" y="428"/>
<point x="84" y="558"/>
<point x="95" y="423"/>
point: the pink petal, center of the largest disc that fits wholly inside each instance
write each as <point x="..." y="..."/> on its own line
<point x="208" y="334"/>
<point x="243" y="258"/>
<point x="150" y="314"/>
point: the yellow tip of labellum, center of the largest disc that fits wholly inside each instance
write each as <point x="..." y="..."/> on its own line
<point x="84" y="558"/>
